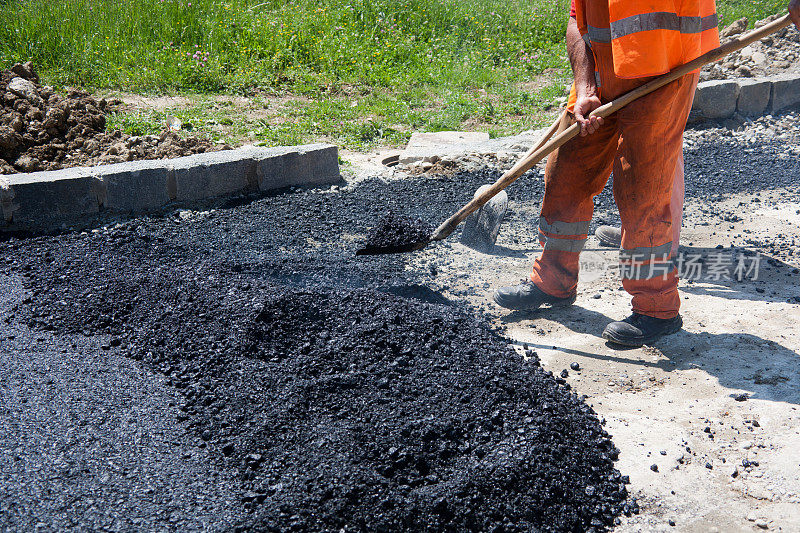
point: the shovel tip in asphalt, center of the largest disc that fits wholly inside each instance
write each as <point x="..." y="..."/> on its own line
<point x="396" y="234"/>
<point x="383" y="250"/>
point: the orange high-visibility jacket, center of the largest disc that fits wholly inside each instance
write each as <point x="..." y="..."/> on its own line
<point x="652" y="37"/>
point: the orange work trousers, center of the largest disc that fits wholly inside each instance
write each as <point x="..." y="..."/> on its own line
<point x="642" y="143"/>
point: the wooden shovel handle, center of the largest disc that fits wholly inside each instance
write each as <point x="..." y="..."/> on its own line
<point x="549" y="133"/>
<point x="534" y="156"/>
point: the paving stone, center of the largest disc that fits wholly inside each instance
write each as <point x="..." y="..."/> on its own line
<point x="716" y="98"/>
<point x="754" y="97"/>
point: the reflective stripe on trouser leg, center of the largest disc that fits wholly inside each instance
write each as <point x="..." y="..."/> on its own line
<point x="562" y="244"/>
<point x="563" y="236"/>
<point x="575" y="174"/>
<point x="644" y="172"/>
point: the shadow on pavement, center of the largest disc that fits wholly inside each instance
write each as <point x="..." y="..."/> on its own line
<point x="758" y="366"/>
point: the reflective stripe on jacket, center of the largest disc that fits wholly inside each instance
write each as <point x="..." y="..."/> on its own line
<point x="650" y="37"/>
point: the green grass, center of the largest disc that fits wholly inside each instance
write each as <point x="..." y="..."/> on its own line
<point x="356" y="72"/>
<point x="300" y="44"/>
<point x="380" y="117"/>
<point x="730" y="10"/>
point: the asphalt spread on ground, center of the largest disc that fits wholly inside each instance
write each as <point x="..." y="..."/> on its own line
<point x="340" y="391"/>
<point x="267" y="358"/>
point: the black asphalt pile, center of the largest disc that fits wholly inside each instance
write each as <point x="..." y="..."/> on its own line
<point x="397" y="233"/>
<point x="339" y="394"/>
<point x="382" y="413"/>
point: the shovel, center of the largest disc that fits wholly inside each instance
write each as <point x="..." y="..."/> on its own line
<point x="538" y="153"/>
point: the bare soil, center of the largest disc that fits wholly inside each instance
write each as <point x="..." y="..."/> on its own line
<point x="42" y="130"/>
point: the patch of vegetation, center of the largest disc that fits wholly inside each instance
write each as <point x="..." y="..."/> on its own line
<point x="357" y="121"/>
<point x="730" y="10"/>
<point x="355" y="72"/>
<point x="303" y="45"/>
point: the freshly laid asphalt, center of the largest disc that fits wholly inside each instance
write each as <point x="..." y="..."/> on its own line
<point x="96" y="433"/>
<point x="89" y="440"/>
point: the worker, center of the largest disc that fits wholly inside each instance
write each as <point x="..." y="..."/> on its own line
<point x="612" y="235"/>
<point x="615" y="46"/>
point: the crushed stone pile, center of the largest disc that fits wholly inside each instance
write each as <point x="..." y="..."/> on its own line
<point x="42" y="130"/>
<point x="776" y="54"/>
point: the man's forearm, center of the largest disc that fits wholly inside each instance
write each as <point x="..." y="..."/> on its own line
<point x="588" y="99"/>
<point x="581" y="59"/>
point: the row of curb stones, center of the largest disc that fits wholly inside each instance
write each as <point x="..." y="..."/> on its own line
<point x="747" y="97"/>
<point x="42" y="201"/>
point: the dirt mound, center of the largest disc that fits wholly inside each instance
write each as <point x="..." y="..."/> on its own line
<point x="41" y="130"/>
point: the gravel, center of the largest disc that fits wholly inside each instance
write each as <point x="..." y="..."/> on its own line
<point x="775" y="54"/>
<point x="730" y="156"/>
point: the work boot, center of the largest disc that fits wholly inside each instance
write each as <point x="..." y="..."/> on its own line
<point x="527" y="297"/>
<point x="637" y="330"/>
<point x="609" y="236"/>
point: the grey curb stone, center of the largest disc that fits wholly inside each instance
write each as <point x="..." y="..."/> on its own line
<point x="43" y="201"/>
<point x="313" y="164"/>
<point x="430" y="147"/>
<point x="785" y="91"/>
<point x="754" y="97"/>
<point x="212" y="174"/>
<point x="135" y="186"/>
<point x="6" y="201"/>
<point x="716" y="99"/>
